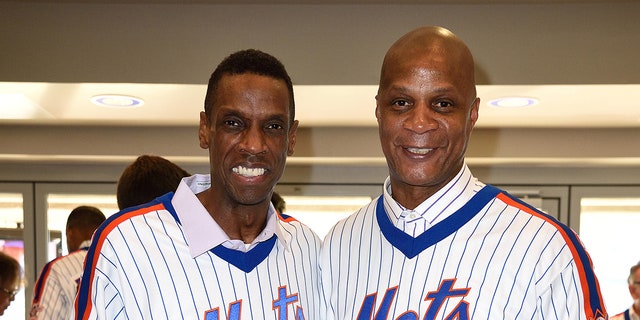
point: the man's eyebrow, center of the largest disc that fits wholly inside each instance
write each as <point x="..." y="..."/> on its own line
<point x="437" y="90"/>
<point x="399" y="88"/>
<point x="227" y="111"/>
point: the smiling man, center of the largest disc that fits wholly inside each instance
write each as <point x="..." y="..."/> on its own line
<point x="216" y="248"/>
<point x="439" y="244"/>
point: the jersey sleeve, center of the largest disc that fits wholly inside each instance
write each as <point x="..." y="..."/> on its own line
<point x="48" y="302"/>
<point x="566" y="282"/>
<point x="565" y="298"/>
<point x="570" y="290"/>
<point x="99" y="295"/>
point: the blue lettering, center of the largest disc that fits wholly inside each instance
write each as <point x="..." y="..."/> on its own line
<point x="281" y="305"/>
<point x="234" y="312"/>
<point x="460" y="312"/>
<point x="212" y="314"/>
<point x="299" y="313"/>
<point x="368" y="305"/>
<point x="283" y="301"/>
<point x="409" y="315"/>
<point x="438" y="299"/>
<point x="445" y="291"/>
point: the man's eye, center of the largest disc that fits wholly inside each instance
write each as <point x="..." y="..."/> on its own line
<point x="275" y="126"/>
<point x="400" y="103"/>
<point x="231" y="123"/>
<point x="443" y="105"/>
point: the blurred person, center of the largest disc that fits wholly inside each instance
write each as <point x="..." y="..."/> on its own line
<point x="278" y="202"/>
<point x="438" y="243"/>
<point x="634" y="290"/>
<point x="57" y="284"/>
<point x="10" y="278"/>
<point x="147" y="178"/>
<point x="215" y="248"/>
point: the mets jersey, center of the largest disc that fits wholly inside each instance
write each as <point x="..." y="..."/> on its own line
<point x="140" y="266"/>
<point x="495" y="257"/>
<point x="57" y="285"/>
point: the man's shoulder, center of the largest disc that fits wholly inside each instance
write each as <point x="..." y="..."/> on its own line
<point x="355" y="221"/>
<point x="63" y="265"/>
<point x="74" y="256"/>
<point x="153" y="208"/>
<point x="135" y="217"/>
<point x="619" y="316"/>
<point x="294" y="227"/>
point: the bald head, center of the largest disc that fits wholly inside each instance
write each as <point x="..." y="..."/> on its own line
<point x="426" y="108"/>
<point x="431" y="47"/>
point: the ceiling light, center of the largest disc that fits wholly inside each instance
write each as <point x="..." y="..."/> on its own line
<point x="118" y="101"/>
<point x="513" y="102"/>
<point x="18" y="106"/>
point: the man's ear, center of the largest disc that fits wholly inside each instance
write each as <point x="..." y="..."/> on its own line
<point x="292" y="138"/>
<point x="203" y="131"/>
<point x="474" y="111"/>
<point x="377" y="112"/>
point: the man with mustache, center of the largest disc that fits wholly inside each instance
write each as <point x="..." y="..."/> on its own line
<point x="438" y="243"/>
<point x="216" y="248"/>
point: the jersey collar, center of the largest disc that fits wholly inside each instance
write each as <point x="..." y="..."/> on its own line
<point x="202" y="233"/>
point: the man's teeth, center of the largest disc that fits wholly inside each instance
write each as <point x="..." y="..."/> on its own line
<point x="419" y="150"/>
<point x="248" y="172"/>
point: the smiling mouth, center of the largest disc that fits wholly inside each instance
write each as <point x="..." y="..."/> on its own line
<point x="249" y="172"/>
<point x="419" y="150"/>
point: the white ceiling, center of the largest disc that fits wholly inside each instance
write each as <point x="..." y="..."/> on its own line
<point x="578" y="57"/>
<point x="317" y="105"/>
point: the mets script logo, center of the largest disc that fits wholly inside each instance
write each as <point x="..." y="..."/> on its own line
<point x="281" y="305"/>
<point x="437" y="298"/>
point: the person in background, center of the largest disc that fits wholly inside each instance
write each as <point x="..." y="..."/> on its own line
<point x="147" y="178"/>
<point x="57" y="284"/>
<point x="10" y="278"/>
<point x="216" y="248"/>
<point x="278" y="202"/>
<point x="634" y="290"/>
<point x="438" y="243"/>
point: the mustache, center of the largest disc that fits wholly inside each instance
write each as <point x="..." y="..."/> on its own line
<point x="253" y="158"/>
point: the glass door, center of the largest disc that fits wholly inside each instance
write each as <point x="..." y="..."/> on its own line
<point x="608" y="221"/>
<point x="55" y="201"/>
<point x="32" y="226"/>
<point x="16" y="238"/>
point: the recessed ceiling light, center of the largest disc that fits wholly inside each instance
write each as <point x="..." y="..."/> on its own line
<point x="117" y="101"/>
<point x="513" y="102"/>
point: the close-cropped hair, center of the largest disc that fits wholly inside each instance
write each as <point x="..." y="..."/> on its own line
<point x="249" y="61"/>
<point x="86" y="218"/>
<point x="147" y="178"/>
<point x="9" y="268"/>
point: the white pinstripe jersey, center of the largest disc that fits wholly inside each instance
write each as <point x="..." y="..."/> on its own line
<point x="494" y="258"/>
<point x="57" y="285"/>
<point x="139" y="267"/>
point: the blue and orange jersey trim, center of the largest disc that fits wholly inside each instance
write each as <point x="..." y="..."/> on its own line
<point x="83" y="300"/>
<point x="285" y="218"/>
<point x="44" y="276"/>
<point x="42" y="280"/>
<point x="593" y="304"/>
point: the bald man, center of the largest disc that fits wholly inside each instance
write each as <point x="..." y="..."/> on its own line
<point x="438" y="243"/>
